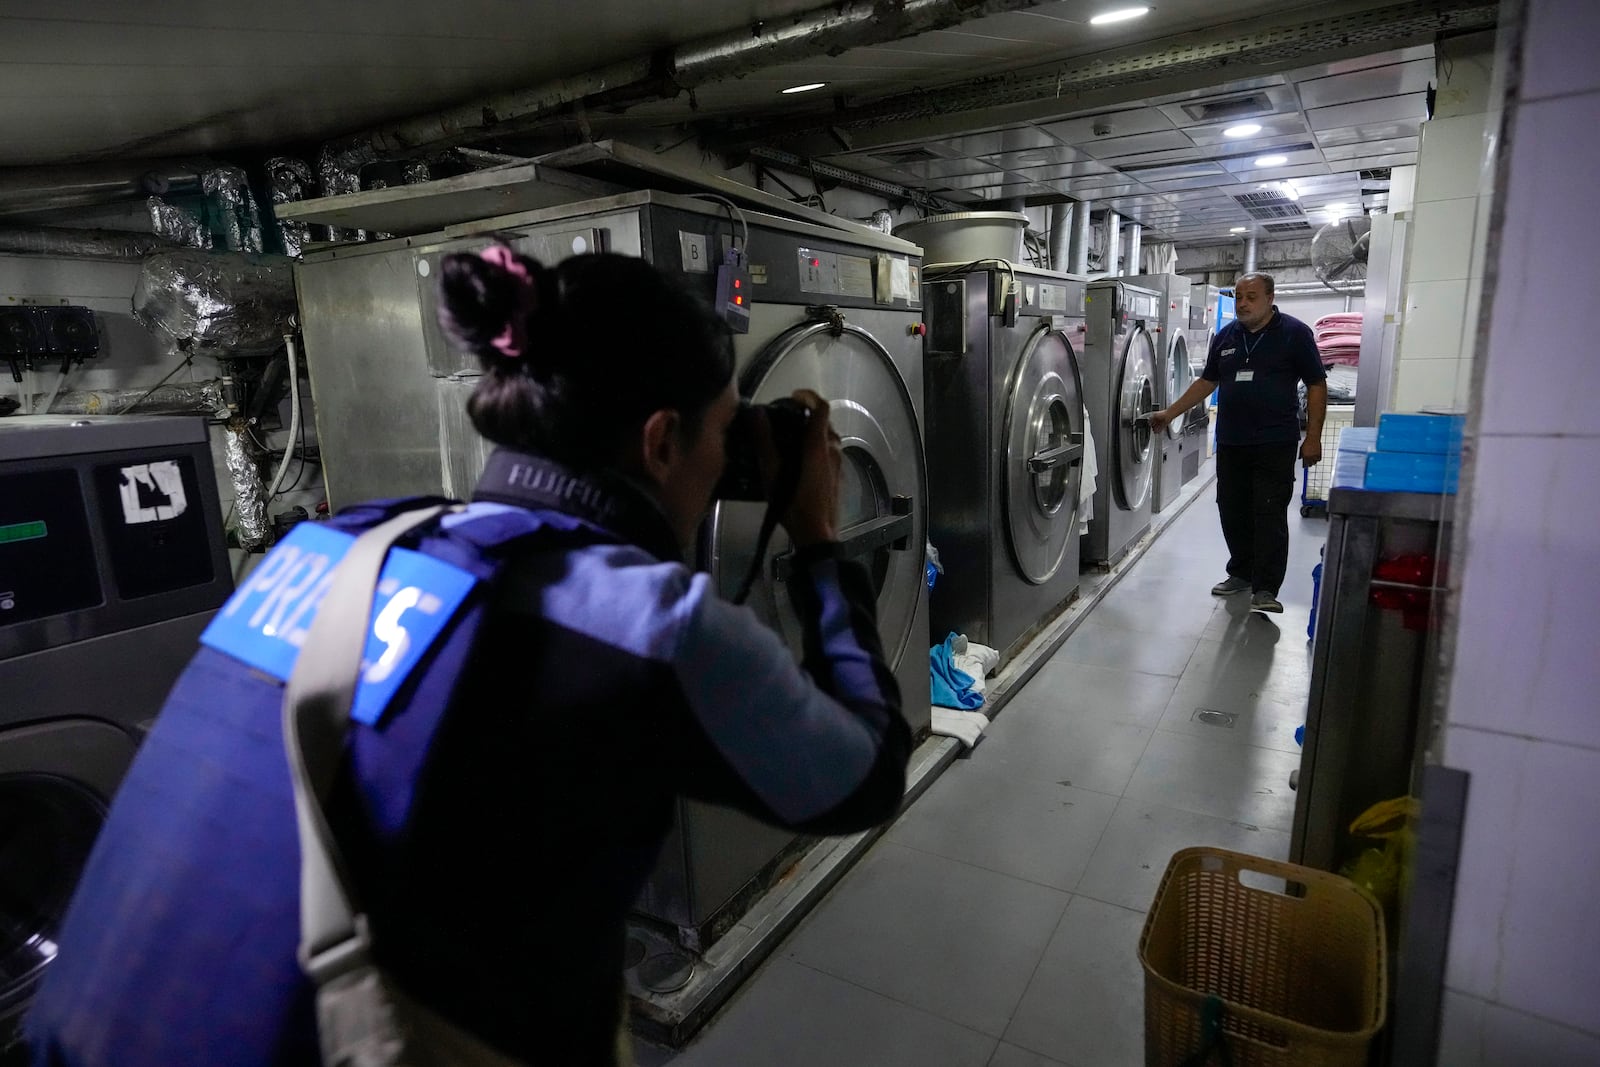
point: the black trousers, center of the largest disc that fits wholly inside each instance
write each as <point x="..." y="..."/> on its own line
<point x="1255" y="484"/>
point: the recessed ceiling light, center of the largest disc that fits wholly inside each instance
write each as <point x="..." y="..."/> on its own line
<point x="1239" y="229"/>
<point x="804" y="88"/>
<point x="1272" y="161"/>
<point x="1121" y="14"/>
<point x="1244" y="129"/>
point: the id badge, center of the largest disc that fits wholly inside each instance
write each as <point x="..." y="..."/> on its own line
<point x="1245" y="376"/>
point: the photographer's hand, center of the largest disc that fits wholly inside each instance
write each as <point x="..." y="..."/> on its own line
<point x="812" y="515"/>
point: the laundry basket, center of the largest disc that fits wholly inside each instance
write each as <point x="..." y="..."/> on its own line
<point x="1315" y="481"/>
<point x="1299" y="980"/>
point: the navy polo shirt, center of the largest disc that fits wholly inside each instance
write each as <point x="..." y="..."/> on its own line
<point x="1264" y="408"/>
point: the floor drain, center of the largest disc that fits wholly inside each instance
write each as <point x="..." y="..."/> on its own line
<point x="666" y="973"/>
<point x="1212" y="717"/>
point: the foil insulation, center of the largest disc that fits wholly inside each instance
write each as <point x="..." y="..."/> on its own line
<point x="250" y="492"/>
<point x="182" y="398"/>
<point x="227" y="190"/>
<point x="223" y="303"/>
<point x="339" y="167"/>
<point x="88" y="244"/>
<point x="177" y="225"/>
<point x="291" y="180"/>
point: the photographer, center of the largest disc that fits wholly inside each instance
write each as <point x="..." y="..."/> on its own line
<point x="606" y="679"/>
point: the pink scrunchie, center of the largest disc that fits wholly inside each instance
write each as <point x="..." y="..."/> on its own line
<point x="512" y="342"/>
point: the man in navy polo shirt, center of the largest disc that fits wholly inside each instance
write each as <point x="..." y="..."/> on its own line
<point x="1258" y="361"/>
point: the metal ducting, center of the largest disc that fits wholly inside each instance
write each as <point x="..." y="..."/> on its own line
<point x="30" y="190"/>
<point x="1135" y="248"/>
<point x="1082" y="238"/>
<point x="82" y="244"/>
<point x="825" y="31"/>
<point x="1060" y="235"/>
<point x="1111" y="264"/>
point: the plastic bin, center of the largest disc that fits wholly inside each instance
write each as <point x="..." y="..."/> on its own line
<point x="1440" y="434"/>
<point x="1412" y="472"/>
<point x="1299" y="979"/>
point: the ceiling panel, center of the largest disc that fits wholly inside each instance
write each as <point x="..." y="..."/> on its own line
<point x="1123" y="147"/>
<point x="1411" y="107"/>
<point x="1246" y="164"/>
<point x="1208" y="181"/>
<point x="1123" y="124"/>
<point x="1273" y="128"/>
<point x="1368" y="84"/>
<point x="1334" y="153"/>
<point x="1040" y="157"/>
<point x="1372" y="131"/>
<point x="1248" y="101"/>
<point x="994" y="142"/>
<point x="1063" y="170"/>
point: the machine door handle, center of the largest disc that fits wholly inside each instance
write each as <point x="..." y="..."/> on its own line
<point x="893" y="530"/>
<point x="1069" y="453"/>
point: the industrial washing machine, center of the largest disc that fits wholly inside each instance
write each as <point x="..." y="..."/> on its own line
<point x="1210" y="309"/>
<point x="1119" y="379"/>
<point x="112" y="561"/>
<point x="834" y="310"/>
<point x="1171" y="335"/>
<point x="1005" y="436"/>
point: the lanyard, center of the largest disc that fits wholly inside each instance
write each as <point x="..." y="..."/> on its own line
<point x="1250" y="349"/>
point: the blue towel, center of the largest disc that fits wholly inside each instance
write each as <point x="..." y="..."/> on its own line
<point x="950" y="687"/>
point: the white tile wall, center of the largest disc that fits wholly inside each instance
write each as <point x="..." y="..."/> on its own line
<point x="1425" y="384"/>
<point x="1565" y="35"/>
<point x="1543" y="312"/>
<point x="1434" y="313"/>
<point x="1449" y="158"/>
<point x="1476" y="1033"/>
<point x="1524" y="928"/>
<point x="1441" y="239"/>
<point x="1532" y="569"/>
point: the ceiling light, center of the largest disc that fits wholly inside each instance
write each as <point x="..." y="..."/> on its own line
<point x="1288" y="189"/>
<point x="1244" y="129"/>
<point x="1272" y="161"/>
<point x="804" y="88"/>
<point x="1239" y="229"/>
<point x="1121" y="14"/>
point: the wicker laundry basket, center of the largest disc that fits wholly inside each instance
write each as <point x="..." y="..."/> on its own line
<point x="1295" y="980"/>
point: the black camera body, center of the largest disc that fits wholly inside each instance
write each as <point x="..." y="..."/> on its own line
<point x="741" y="478"/>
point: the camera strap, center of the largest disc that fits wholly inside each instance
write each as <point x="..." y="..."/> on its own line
<point x="784" y="484"/>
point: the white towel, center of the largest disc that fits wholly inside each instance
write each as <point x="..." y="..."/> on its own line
<point x="964" y="726"/>
<point x="978" y="661"/>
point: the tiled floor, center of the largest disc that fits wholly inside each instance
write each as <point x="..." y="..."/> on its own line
<point x="996" y="924"/>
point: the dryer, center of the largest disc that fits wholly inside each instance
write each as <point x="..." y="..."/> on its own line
<point x="1005" y="406"/>
<point x="1119" y="379"/>
<point x="1171" y="335"/>
<point x="832" y="310"/>
<point x="112" y="561"/>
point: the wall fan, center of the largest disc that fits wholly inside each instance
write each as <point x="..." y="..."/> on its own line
<point x="1339" y="252"/>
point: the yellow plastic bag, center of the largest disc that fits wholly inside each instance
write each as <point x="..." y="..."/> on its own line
<point x="1385" y="872"/>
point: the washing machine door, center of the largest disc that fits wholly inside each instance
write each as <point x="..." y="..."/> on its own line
<point x="1131" y="447"/>
<point x="1044" y="455"/>
<point x="1178" y="377"/>
<point x="882" y="520"/>
<point x="56" y="779"/>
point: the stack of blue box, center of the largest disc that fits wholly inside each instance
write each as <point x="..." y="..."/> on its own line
<point x="1416" y="454"/>
<point x="1350" y="456"/>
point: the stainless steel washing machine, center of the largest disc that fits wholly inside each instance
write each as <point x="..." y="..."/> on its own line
<point x="835" y="311"/>
<point x="1005" y="432"/>
<point x="1171" y="335"/>
<point x="111" y="562"/>
<point x="1119" y="379"/>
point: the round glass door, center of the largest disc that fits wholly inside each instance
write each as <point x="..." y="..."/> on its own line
<point x="1044" y="455"/>
<point x="1131" y="443"/>
<point x="882" y="520"/>
<point x="1178" y="378"/>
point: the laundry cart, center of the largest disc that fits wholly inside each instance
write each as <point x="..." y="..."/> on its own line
<point x="1315" y="481"/>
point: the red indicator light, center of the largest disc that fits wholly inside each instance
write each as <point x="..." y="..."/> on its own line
<point x="738" y="301"/>
<point x="816" y="262"/>
<point x="738" y="283"/>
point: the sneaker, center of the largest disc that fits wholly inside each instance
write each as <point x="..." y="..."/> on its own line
<point x="1264" y="601"/>
<point x="1230" y="586"/>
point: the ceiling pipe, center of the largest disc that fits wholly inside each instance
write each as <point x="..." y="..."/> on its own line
<point x="822" y="31"/>
<point x="1060" y="235"/>
<point x="1250" y="254"/>
<point x="30" y="190"/>
<point x="1078" y="250"/>
<point x="1113" y="225"/>
<point x="1135" y="239"/>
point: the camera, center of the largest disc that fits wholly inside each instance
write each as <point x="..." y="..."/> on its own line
<point x="741" y="478"/>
